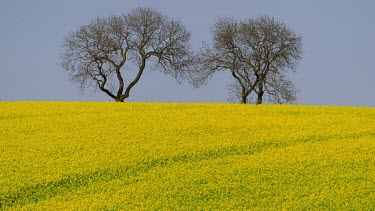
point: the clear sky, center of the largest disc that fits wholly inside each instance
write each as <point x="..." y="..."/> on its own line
<point x="337" y="66"/>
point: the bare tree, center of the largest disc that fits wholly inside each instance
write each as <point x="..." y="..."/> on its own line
<point x="258" y="53"/>
<point x="98" y="54"/>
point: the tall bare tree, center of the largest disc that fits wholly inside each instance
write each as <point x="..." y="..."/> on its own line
<point x="258" y="53"/>
<point x="98" y="54"/>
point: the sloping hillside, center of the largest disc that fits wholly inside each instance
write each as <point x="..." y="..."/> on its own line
<point x="110" y="156"/>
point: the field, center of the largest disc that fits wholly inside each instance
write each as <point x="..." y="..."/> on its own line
<point x="185" y="156"/>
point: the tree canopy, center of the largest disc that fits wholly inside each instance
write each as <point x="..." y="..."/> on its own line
<point x="257" y="52"/>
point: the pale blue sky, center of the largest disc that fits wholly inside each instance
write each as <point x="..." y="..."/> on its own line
<point x="336" y="66"/>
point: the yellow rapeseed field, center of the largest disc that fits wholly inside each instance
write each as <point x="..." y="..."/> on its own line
<point x="185" y="156"/>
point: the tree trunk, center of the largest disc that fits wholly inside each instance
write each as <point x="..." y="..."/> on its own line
<point x="119" y="100"/>
<point x="260" y="94"/>
<point x="260" y="99"/>
<point x="244" y="96"/>
<point x="244" y="99"/>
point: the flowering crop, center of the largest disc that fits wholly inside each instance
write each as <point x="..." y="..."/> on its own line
<point x="109" y="156"/>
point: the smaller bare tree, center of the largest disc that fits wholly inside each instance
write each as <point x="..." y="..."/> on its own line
<point x="99" y="53"/>
<point x="257" y="52"/>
